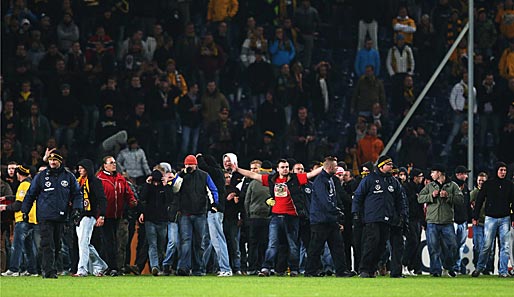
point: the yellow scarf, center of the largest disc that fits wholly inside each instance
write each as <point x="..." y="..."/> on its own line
<point x="25" y="95"/>
<point x="84" y="184"/>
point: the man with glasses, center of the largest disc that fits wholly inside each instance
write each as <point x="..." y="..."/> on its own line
<point x="378" y="203"/>
<point x="440" y="196"/>
<point x="118" y="193"/>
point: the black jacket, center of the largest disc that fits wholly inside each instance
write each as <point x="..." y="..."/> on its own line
<point x="96" y="193"/>
<point x="462" y="212"/>
<point x="296" y="192"/>
<point x="498" y="195"/>
<point x="415" y="209"/>
<point x="158" y="203"/>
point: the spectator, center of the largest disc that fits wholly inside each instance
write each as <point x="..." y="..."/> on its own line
<point x="370" y="147"/>
<point x="187" y="51"/>
<point x="134" y="93"/>
<point x="281" y="50"/>
<point x="133" y="164"/>
<point x="504" y="13"/>
<point x="403" y="25"/>
<point x="212" y="102"/>
<point x="267" y="148"/>
<point x="34" y="129"/>
<point x="211" y="59"/>
<point x="458" y="101"/>
<point x="176" y="79"/>
<point x="189" y="107"/>
<point x="367" y="55"/>
<point x="220" y="134"/>
<point x="506" y="64"/>
<point x="247" y="138"/>
<point x="302" y="137"/>
<point x="260" y="78"/>
<point x="425" y="42"/>
<point x="462" y="213"/>
<point x="271" y="116"/>
<point x="369" y="90"/>
<point x="67" y="32"/>
<point x="307" y="20"/>
<point x="221" y="10"/>
<point x="139" y="126"/>
<point x="100" y="37"/>
<point x="64" y="116"/>
<point x="162" y="108"/>
<point x="489" y="110"/>
<point x="454" y="28"/>
<point x="255" y="41"/>
<point x="154" y="41"/>
<point x="322" y="96"/>
<point x="368" y="26"/>
<point x="485" y="33"/>
<point x="164" y="52"/>
<point x="75" y="60"/>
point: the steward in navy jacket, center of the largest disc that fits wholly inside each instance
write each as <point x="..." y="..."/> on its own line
<point x="380" y="198"/>
<point x="54" y="190"/>
<point x="325" y="206"/>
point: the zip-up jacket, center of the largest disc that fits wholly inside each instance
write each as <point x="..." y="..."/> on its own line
<point x="255" y="201"/>
<point x="380" y="198"/>
<point x="196" y="192"/>
<point x="498" y="195"/>
<point x="54" y="190"/>
<point x="118" y="192"/>
<point x="440" y="210"/>
<point x="324" y="206"/>
<point x="295" y="190"/>
<point x="155" y="201"/>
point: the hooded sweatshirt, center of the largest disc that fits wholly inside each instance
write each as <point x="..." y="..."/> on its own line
<point x="91" y="187"/>
<point x="498" y="195"/>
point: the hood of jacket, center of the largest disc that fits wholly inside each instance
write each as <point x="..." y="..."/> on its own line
<point x="88" y="165"/>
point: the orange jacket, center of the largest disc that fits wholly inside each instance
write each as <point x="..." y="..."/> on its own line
<point x="505" y="18"/>
<point x="219" y="10"/>
<point x="405" y="26"/>
<point x="369" y="149"/>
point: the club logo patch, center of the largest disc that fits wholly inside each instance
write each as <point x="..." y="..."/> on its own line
<point x="64" y="183"/>
<point x="48" y="184"/>
<point x="390" y="188"/>
<point x="377" y="187"/>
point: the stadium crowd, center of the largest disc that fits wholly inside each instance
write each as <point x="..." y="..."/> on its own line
<point x="116" y="91"/>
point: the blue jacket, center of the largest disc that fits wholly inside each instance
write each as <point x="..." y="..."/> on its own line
<point x="54" y="190"/>
<point x="365" y="58"/>
<point x="380" y="198"/>
<point x="281" y="56"/>
<point x="325" y="206"/>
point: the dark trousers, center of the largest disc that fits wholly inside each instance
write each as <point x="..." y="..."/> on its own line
<point x="51" y="232"/>
<point x="357" y="245"/>
<point x="396" y="240"/>
<point x="331" y="234"/>
<point x="110" y="229"/>
<point x="374" y="237"/>
<point x="348" y="242"/>
<point x="142" y="248"/>
<point x="257" y="243"/>
<point x="412" y="254"/>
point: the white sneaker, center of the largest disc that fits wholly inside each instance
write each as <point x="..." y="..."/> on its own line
<point x="26" y="273"/>
<point x="405" y="270"/>
<point x="412" y="273"/>
<point x="225" y="273"/>
<point x="10" y="273"/>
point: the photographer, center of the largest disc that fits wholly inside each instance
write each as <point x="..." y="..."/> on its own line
<point x="440" y="196"/>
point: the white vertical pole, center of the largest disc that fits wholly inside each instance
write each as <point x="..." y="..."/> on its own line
<point x="471" y="94"/>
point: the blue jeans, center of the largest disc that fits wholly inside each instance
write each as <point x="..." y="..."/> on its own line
<point x="478" y="245"/>
<point x="218" y="242"/>
<point x="437" y="236"/>
<point x="491" y="226"/>
<point x="461" y="233"/>
<point x="23" y="243"/>
<point x="173" y="244"/>
<point x="289" y="226"/>
<point x="189" y="139"/>
<point x="87" y="252"/>
<point x="156" y="237"/>
<point x="192" y="230"/>
<point x="457" y="122"/>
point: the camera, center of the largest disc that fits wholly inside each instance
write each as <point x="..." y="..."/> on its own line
<point x="189" y="169"/>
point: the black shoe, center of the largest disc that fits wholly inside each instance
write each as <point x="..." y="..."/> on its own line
<point x="476" y="273"/>
<point x="182" y="272"/>
<point x="486" y="272"/>
<point x="155" y="271"/>
<point x="329" y="273"/>
<point x="114" y="272"/>
<point x="51" y="275"/>
<point x="436" y="274"/>
<point x="366" y="275"/>
<point x="345" y="274"/>
<point x="452" y="273"/>
<point x="134" y="269"/>
<point x="263" y="273"/>
<point x="397" y="276"/>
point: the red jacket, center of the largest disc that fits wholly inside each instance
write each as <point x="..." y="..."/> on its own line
<point x="118" y="192"/>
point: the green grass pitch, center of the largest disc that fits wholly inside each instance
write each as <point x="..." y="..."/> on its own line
<point x="243" y="286"/>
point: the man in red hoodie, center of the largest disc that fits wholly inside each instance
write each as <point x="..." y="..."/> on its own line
<point x="118" y="193"/>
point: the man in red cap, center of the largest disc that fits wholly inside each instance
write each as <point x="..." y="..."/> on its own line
<point x="198" y="194"/>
